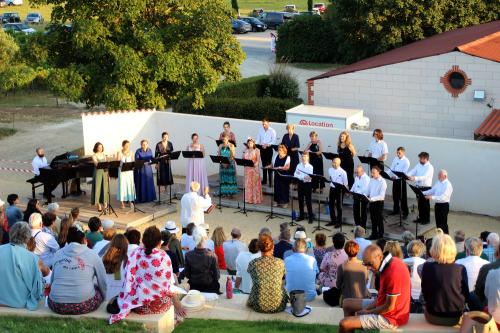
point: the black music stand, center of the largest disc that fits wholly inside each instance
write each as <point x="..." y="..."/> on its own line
<point x="271" y="215"/>
<point x="403" y="177"/>
<point x="330" y="156"/>
<point x="220" y="160"/>
<point x="343" y="189"/>
<point x="371" y="161"/>
<point x="244" y="163"/>
<point x="275" y="147"/>
<point x="170" y="156"/>
<point x="129" y="166"/>
<point x="319" y="227"/>
<point x="219" y="142"/>
<point x="419" y="194"/>
<point x="292" y="179"/>
<point x="106" y="166"/>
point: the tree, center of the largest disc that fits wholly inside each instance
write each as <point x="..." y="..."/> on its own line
<point x="141" y="53"/>
<point x="310" y="5"/>
<point x="234" y="5"/>
<point x="14" y="73"/>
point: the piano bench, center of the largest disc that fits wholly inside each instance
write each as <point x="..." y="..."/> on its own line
<point x="35" y="183"/>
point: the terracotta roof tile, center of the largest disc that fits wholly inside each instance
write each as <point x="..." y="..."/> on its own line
<point x="487" y="47"/>
<point x="490" y="127"/>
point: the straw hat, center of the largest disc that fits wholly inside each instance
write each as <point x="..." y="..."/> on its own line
<point x="193" y="301"/>
<point x="171" y="227"/>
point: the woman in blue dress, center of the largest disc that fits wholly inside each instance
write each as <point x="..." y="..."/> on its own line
<point x="144" y="183"/>
<point x="227" y="172"/>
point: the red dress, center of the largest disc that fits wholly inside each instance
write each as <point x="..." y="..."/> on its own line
<point x="219" y="252"/>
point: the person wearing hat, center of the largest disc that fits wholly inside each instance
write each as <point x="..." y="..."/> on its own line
<point x="46" y="245"/>
<point x="193" y="205"/>
<point x="174" y="243"/>
<point x="108" y="231"/>
<point x="300" y="234"/>
<point x="232" y="248"/>
<point x="301" y="270"/>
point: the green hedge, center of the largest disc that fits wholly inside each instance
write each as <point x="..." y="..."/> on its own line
<point x="307" y="39"/>
<point x="253" y="108"/>
<point x="254" y="86"/>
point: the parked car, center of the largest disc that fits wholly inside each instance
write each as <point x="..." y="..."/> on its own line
<point x="272" y="19"/>
<point x="290" y="8"/>
<point x="257" y="25"/>
<point x="240" y="27"/>
<point x="18" y="28"/>
<point x="256" y="12"/>
<point x="2" y="3"/>
<point x="14" y="2"/>
<point x="34" y="18"/>
<point x="320" y="6"/>
<point x="11" y="18"/>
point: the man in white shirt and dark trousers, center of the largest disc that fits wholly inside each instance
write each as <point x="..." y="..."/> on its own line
<point x="440" y="193"/>
<point x="400" y="164"/>
<point x="360" y="186"/>
<point x="39" y="162"/>
<point x="422" y="174"/>
<point x="266" y="138"/>
<point x="302" y="172"/>
<point x="337" y="175"/>
<point x="376" y="194"/>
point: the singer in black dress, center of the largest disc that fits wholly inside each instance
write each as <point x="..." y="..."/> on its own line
<point x="281" y="164"/>
<point x="346" y="152"/>
<point x="315" y="148"/>
<point x="164" y="170"/>
<point x="291" y="141"/>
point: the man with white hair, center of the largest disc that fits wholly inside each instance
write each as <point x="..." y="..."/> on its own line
<point x="53" y="208"/>
<point x="473" y="261"/>
<point x="492" y="240"/>
<point x="440" y="193"/>
<point x="339" y="176"/>
<point x="359" y="208"/>
<point x="359" y="237"/>
<point x="46" y="245"/>
<point x="193" y="206"/>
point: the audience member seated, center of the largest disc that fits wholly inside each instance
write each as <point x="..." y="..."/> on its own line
<point x="352" y="276"/>
<point x="301" y="270"/>
<point x="268" y="294"/>
<point x="444" y="284"/>
<point x="12" y="213"/>
<point x="492" y="291"/>
<point x="320" y="248"/>
<point x="283" y="227"/>
<point x="166" y="238"/>
<point x="415" y="250"/>
<point x="394" y="248"/>
<point x="283" y="244"/>
<point x="493" y="240"/>
<point x="300" y="234"/>
<point x="48" y="220"/>
<point x="332" y="261"/>
<point x="187" y="241"/>
<point x="94" y="235"/>
<point x="243" y="279"/>
<point x="209" y="243"/>
<point x="33" y="206"/>
<point x="265" y="231"/>
<point x="218" y="237"/>
<point x="201" y="268"/>
<point x="381" y="243"/>
<point x="22" y="282"/>
<point x="472" y="263"/>
<point x="134" y="239"/>
<point x="147" y="289"/>
<point x="481" y="278"/>
<point x="407" y="237"/>
<point x="74" y="216"/>
<point x="484" y="255"/>
<point x="108" y="232"/>
<point x="72" y="290"/>
<point x="231" y="249"/>
<point x="391" y="308"/>
<point x="46" y="244"/>
<point x="459" y="237"/>
<point x="114" y="260"/>
<point x="175" y="244"/>
<point x="53" y="208"/>
<point x="63" y="231"/>
<point x="359" y="237"/>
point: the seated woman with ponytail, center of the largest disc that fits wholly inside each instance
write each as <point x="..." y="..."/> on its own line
<point x="148" y="277"/>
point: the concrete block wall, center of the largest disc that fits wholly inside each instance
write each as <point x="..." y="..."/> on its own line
<point x="409" y="98"/>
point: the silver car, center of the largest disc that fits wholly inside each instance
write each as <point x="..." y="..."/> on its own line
<point x="34" y="18"/>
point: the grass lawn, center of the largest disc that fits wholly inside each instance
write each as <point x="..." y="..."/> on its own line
<point x="5" y="132"/>
<point x="246" y="6"/>
<point x="315" y="66"/>
<point x="216" y="326"/>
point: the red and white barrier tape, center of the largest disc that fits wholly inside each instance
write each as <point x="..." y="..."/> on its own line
<point x="16" y="170"/>
<point x="13" y="161"/>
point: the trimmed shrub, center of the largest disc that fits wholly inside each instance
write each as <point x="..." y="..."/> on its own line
<point x="307" y="38"/>
<point x="254" y="86"/>
<point x="254" y="108"/>
<point x="282" y="84"/>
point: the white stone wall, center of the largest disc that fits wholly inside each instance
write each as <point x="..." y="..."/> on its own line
<point x="472" y="165"/>
<point x="409" y="98"/>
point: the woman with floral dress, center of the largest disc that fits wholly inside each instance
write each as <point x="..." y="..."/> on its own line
<point x="253" y="185"/>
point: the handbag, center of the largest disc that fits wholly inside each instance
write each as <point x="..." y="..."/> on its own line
<point x="112" y="306"/>
<point x="478" y="322"/>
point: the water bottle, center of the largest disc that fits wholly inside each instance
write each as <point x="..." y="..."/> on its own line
<point x="229" y="288"/>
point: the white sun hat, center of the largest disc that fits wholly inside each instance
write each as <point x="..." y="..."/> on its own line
<point x="193" y="301"/>
<point x="171" y="227"/>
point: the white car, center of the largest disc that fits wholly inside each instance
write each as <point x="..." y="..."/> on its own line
<point x="14" y="2"/>
<point x="18" y="27"/>
<point x="34" y="18"/>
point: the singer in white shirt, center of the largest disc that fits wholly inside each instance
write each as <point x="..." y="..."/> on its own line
<point x="440" y="193"/>
<point x="337" y="175"/>
<point x="376" y="194"/>
<point x="265" y="138"/>
<point x="422" y="174"/>
<point x="193" y="206"/>
<point x="302" y="172"/>
<point x="360" y="186"/>
<point x="378" y="148"/>
<point x="400" y="164"/>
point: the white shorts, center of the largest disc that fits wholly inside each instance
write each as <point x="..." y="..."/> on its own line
<point x="372" y="321"/>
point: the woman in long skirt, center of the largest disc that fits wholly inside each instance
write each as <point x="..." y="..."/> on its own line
<point x="164" y="170"/>
<point x="144" y="183"/>
<point x="281" y="184"/>
<point x="315" y="148"/>
<point x="196" y="170"/>
<point x="292" y="143"/>
<point x="126" y="186"/>
<point x="227" y="172"/>
<point x="100" y="181"/>
<point x="346" y="152"/>
<point x="253" y="186"/>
